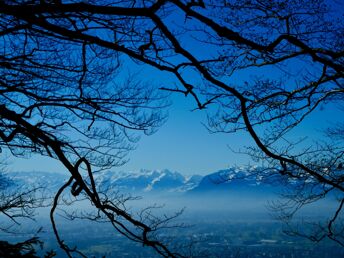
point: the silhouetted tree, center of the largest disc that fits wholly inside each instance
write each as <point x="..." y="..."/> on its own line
<point x="22" y="249"/>
<point x="259" y="66"/>
<point x="61" y="98"/>
<point x="18" y="203"/>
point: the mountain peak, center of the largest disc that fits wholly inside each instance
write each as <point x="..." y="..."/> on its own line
<point x="149" y="181"/>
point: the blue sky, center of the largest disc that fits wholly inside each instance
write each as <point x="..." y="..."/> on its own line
<point x="183" y="144"/>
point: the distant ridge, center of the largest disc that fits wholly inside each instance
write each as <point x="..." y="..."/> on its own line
<point x="157" y="181"/>
<point x="240" y="190"/>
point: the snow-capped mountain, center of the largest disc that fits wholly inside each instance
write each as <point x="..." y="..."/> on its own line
<point x="238" y="190"/>
<point x="143" y="181"/>
<point x="34" y="179"/>
<point x="244" y="180"/>
<point x="154" y="181"/>
<point x="148" y="181"/>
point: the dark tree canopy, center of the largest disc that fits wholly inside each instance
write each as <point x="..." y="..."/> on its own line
<point x="259" y="66"/>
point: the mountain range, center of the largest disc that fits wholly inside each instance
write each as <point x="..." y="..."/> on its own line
<point x="157" y="181"/>
<point x="240" y="190"/>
